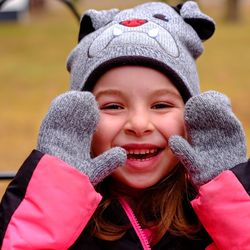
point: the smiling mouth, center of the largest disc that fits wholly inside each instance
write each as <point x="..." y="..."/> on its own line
<point x="143" y="155"/>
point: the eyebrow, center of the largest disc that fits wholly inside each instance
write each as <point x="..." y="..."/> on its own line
<point x="108" y="92"/>
<point x="158" y="92"/>
<point x="161" y="92"/>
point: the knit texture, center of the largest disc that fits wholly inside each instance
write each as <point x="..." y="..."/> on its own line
<point x="216" y="140"/>
<point x="152" y="34"/>
<point x="66" y="132"/>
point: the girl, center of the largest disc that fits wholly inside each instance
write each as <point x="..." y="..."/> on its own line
<point x="144" y="161"/>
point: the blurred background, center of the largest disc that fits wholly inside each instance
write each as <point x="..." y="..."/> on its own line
<point x="36" y="37"/>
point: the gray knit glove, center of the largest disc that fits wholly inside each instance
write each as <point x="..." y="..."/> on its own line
<point x="66" y="132"/>
<point x="216" y="138"/>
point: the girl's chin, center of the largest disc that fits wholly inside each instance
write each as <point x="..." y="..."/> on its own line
<point x="129" y="189"/>
<point x="141" y="174"/>
<point x="135" y="183"/>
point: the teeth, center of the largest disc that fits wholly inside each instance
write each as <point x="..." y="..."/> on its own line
<point x="117" y="32"/>
<point x="153" y="32"/>
<point x="141" y="151"/>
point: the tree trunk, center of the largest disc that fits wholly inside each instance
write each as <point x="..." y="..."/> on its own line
<point x="233" y="10"/>
<point x="37" y="4"/>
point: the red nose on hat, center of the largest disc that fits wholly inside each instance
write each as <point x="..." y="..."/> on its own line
<point x="133" y="22"/>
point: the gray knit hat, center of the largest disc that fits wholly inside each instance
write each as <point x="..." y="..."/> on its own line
<point x="156" y="35"/>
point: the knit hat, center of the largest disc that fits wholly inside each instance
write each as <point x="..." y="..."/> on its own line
<point x="156" y="35"/>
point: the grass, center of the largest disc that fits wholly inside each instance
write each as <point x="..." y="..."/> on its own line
<point x="32" y="73"/>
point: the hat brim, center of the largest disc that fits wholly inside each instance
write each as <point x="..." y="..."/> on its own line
<point x="138" y="61"/>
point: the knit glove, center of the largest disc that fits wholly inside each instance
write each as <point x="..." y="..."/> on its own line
<point x="66" y="132"/>
<point x="216" y="140"/>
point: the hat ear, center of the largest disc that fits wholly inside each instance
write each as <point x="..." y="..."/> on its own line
<point x="201" y="23"/>
<point x="93" y="20"/>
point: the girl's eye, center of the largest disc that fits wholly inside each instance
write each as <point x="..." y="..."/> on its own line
<point x="161" y="17"/>
<point x="112" y="106"/>
<point x="161" y="105"/>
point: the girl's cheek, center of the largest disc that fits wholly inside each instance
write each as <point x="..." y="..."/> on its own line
<point x="172" y="125"/>
<point x="106" y="132"/>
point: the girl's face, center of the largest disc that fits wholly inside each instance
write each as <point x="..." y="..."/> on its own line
<point x="139" y="110"/>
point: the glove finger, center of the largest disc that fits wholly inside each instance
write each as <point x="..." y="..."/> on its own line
<point x="73" y="110"/>
<point x="210" y="113"/>
<point x="210" y="108"/>
<point x="183" y="151"/>
<point x="69" y="124"/>
<point x="107" y="162"/>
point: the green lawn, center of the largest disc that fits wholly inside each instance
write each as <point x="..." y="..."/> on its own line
<point x="32" y="72"/>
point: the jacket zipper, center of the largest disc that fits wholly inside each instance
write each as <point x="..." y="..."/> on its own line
<point x="135" y="224"/>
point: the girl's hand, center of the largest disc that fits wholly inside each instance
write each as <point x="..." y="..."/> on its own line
<point x="216" y="140"/>
<point x="66" y="132"/>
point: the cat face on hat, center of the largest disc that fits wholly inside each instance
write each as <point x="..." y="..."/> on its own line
<point x="152" y="34"/>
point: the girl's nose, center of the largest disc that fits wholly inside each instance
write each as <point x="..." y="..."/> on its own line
<point x="133" y="22"/>
<point x="138" y="125"/>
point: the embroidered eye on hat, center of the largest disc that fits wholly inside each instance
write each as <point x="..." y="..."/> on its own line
<point x="156" y="35"/>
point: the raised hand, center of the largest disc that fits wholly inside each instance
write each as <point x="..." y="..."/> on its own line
<point x="216" y="140"/>
<point x="66" y="132"/>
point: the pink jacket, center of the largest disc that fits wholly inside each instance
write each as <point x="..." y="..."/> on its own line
<point x="33" y="213"/>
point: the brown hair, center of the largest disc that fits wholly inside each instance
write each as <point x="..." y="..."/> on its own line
<point x="161" y="206"/>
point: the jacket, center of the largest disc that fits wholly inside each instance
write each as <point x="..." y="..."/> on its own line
<point x="49" y="204"/>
